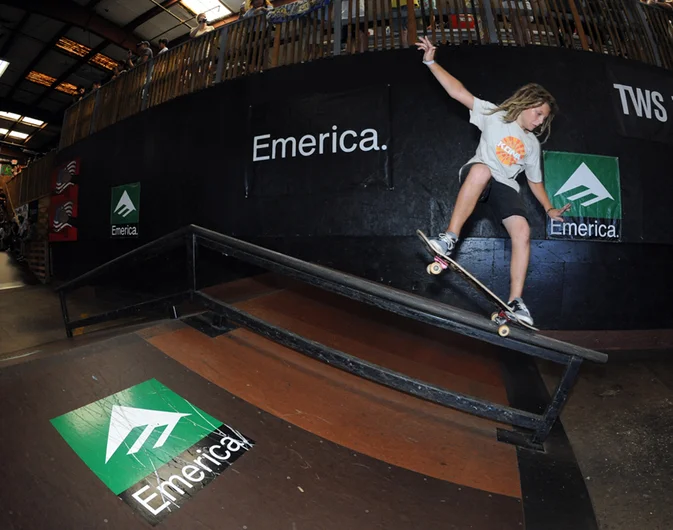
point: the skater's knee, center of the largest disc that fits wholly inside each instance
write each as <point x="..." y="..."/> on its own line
<point x="523" y="235"/>
<point x="479" y="173"/>
<point x="518" y="228"/>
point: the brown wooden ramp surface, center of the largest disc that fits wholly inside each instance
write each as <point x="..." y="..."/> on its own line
<point x="289" y="479"/>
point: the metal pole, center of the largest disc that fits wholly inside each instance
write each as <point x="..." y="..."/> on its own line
<point x="191" y="263"/>
<point x="169" y="12"/>
<point x="337" y="27"/>
<point x="490" y="22"/>
<point x="146" y="87"/>
<point x="558" y="399"/>
<point x="643" y="19"/>
<point x="92" y="125"/>
<point x="64" y="313"/>
<point x="224" y="33"/>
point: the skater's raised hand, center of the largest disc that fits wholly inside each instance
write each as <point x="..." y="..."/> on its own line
<point x="427" y="47"/>
<point x="557" y="213"/>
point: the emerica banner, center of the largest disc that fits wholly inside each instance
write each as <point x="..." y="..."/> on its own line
<point x="643" y="102"/>
<point x="151" y="447"/>
<point x="591" y="185"/>
<point x="325" y="143"/>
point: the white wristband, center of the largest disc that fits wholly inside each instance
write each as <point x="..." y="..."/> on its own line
<point x="429" y="62"/>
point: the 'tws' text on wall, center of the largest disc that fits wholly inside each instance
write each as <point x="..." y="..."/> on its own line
<point x="642" y="99"/>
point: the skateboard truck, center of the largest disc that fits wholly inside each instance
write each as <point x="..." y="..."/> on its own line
<point x="501" y="318"/>
<point x="437" y="266"/>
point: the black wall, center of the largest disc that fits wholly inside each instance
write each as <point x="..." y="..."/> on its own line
<point x="191" y="156"/>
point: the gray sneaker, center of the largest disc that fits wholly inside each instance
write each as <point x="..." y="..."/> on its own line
<point x="521" y="311"/>
<point x="443" y="243"/>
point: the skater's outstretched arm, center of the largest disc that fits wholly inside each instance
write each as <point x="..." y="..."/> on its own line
<point x="541" y="195"/>
<point x="453" y="87"/>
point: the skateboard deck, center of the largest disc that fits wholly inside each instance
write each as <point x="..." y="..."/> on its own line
<point x="503" y="316"/>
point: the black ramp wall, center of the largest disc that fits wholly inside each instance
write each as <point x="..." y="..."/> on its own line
<point x="201" y="159"/>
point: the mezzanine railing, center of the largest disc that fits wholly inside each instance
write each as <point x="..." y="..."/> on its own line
<point x="309" y="30"/>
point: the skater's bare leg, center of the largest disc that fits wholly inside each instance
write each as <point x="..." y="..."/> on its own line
<point x="475" y="183"/>
<point x="518" y="229"/>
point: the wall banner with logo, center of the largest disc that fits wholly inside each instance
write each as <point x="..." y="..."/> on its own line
<point x="324" y="143"/>
<point x="152" y="448"/>
<point x="643" y="102"/>
<point x="65" y="175"/>
<point x="591" y="184"/>
<point x="125" y="211"/>
<point x="63" y="215"/>
<point x="64" y="202"/>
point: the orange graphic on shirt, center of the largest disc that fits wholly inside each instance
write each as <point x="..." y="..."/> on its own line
<point x="510" y="150"/>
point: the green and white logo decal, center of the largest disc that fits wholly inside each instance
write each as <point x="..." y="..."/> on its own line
<point x="125" y="211"/>
<point x="590" y="183"/>
<point x="151" y="447"/>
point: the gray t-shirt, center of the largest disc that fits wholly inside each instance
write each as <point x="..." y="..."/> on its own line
<point x="147" y="52"/>
<point x="505" y="147"/>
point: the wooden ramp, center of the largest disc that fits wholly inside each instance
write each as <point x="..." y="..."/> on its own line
<point x="317" y="448"/>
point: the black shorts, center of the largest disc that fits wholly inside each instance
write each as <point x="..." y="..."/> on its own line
<point x="503" y="200"/>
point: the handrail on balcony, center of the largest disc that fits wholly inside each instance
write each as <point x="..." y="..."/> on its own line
<point x="310" y="30"/>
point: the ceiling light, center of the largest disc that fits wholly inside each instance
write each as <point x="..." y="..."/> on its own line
<point x="3" y="66"/>
<point x="19" y="135"/>
<point x="104" y="61"/>
<point x="31" y="121"/>
<point x="213" y="9"/>
<point x="73" y="47"/>
<point x="46" y="80"/>
<point x="10" y="116"/>
<point x="81" y="50"/>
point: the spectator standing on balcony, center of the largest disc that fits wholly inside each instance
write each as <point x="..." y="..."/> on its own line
<point x="202" y="28"/>
<point x="144" y="54"/>
<point x="118" y="70"/>
<point x="666" y="4"/>
<point x="257" y="7"/>
<point x="508" y="146"/>
<point x="163" y="46"/>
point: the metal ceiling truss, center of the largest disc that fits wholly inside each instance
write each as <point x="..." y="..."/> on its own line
<point x="71" y="14"/>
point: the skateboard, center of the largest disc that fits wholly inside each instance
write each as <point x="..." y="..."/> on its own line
<point x="503" y="316"/>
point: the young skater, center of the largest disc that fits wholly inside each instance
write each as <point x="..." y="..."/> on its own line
<point x="508" y="145"/>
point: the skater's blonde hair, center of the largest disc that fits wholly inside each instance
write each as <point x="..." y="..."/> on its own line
<point x="526" y="97"/>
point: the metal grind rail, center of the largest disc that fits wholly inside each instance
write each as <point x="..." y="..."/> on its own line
<point x="537" y="426"/>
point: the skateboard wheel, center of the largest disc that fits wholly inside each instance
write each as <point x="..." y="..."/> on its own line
<point x="503" y="330"/>
<point x="494" y="317"/>
<point x="434" y="268"/>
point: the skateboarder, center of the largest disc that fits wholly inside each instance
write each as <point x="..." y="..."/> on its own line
<point x="508" y="145"/>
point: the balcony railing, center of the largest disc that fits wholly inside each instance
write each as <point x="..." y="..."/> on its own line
<point x="312" y="29"/>
<point x="33" y="182"/>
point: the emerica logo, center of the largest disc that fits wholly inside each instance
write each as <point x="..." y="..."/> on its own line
<point x="125" y="419"/>
<point x="151" y="447"/>
<point x="594" y="228"/>
<point x="584" y="180"/>
<point x="174" y="490"/>
<point x="263" y="148"/>
<point x="125" y="205"/>
<point x="591" y="184"/>
<point x="125" y="211"/>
